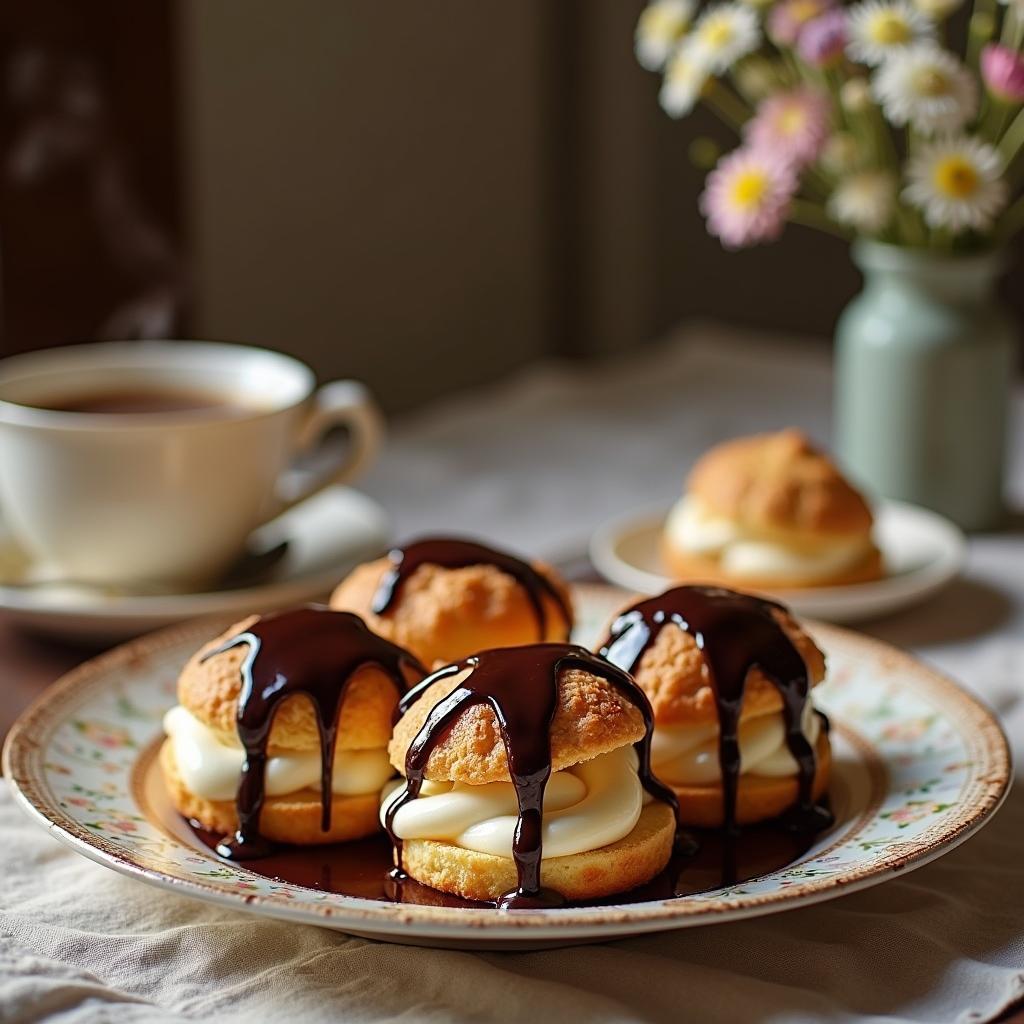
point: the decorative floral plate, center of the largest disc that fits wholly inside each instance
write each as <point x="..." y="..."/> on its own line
<point x="919" y="765"/>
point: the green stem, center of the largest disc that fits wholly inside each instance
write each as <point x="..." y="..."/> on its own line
<point x="910" y="225"/>
<point x="817" y="183"/>
<point x="994" y="119"/>
<point x="1011" y="221"/>
<point x="886" y="146"/>
<point x="1013" y="139"/>
<point x="812" y="215"/>
<point x="1013" y="28"/>
<point x="726" y="104"/>
<point x="980" y="29"/>
<point x="793" y="67"/>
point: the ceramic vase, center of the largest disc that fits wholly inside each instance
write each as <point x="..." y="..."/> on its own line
<point x="925" y="359"/>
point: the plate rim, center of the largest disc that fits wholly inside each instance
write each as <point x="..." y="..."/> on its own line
<point x="26" y="743"/>
<point x="893" y="591"/>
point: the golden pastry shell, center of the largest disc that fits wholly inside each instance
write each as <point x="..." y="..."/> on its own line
<point x="591" y="718"/>
<point x="210" y="691"/>
<point x="673" y="674"/>
<point x="779" y="485"/>
<point x="443" y="615"/>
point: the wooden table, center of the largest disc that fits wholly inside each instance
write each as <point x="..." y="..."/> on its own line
<point x="27" y="666"/>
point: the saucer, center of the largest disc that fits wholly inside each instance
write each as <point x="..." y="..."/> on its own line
<point x="311" y="547"/>
<point x="922" y="552"/>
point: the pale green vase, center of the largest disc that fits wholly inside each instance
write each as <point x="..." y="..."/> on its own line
<point x="925" y="357"/>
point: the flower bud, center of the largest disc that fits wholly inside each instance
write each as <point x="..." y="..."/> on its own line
<point x="855" y="95"/>
<point x="1003" y="71"/>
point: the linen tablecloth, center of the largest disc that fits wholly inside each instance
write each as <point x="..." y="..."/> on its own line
<point x="536" y="464"/>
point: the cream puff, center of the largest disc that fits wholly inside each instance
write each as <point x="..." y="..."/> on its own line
<point x="444" y="599"/>
<point x="275" y="713"/>
<point x="729" y="678"/>
<point x="527" y="780"/>
<point x="770" y="512"/>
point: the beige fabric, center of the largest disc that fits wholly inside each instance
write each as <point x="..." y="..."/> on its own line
<point x="83" y="944"/>
<point x="946" y="943"/>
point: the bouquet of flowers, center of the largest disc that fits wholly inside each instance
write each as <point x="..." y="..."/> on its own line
<point x="859" y="120"/>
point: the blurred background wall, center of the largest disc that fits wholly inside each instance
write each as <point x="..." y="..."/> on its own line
<point x="423" y="195"/>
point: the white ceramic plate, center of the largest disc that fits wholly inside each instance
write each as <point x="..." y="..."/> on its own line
<point x="325" y="536"/>
<point x="922" y="551"/>
<point x="918" y="767"/>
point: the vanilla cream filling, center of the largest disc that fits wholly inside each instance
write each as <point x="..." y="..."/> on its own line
<point x="211" y="768"/>
<point x="687" y="755"/>
<point x="692" y="528"/>
<point x="586" y="807"/>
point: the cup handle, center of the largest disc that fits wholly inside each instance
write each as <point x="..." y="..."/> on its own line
<point x="342" y="403"/>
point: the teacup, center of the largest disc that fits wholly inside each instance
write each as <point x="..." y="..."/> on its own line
<point x="152" y="462"/>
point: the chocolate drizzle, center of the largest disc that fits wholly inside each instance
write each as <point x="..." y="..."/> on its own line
<point x="451" y="553"/>
<point x="363" y="868"/>
<point x="736" y="633"/>
<point x="520" y="685"/>
<point x="313" y="652"/>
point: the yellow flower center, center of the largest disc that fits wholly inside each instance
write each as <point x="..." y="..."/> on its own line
<point x="748" y="189"/>
<point x="955" y="177"/>
<point x="888" y="28"/>
<point x="681" y="70"/>
<point x="662" y="22"/>
<point x="717" y="33"/>
<point x="930" y="82"/>
<point x="792" y="121"/>
<point x="803" y="10"/>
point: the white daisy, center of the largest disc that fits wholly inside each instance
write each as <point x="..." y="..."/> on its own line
<point x="864" y="200"/>
<point x="661" y="25"/>
<point x="685" y="78"/>
<point x="879" y="28"/>
<point x="937" y="10"/>
<point x="724" y="33"/>
<point x="927" y="88"/>
<point x="956" y="183"/>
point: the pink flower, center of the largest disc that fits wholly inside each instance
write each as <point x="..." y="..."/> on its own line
<point x="1003" y="71"/>
<point x="915" y="810"/>
<point x="787" y="18"/>
<point x="793" y="125"/>
<point x="907" y="730"/>
<point x="822" y="41"/>
<point x="746" y="197"/>
<point x="906" y="816"/>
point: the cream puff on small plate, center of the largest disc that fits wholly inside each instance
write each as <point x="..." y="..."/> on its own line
<point x="445" y="598"/>
<point x="770" y="512"/>
<point x="525" y="780"/>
